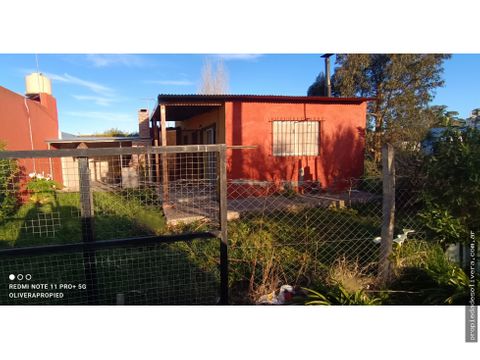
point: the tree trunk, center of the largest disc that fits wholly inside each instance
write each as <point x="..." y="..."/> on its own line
<point x="377" y="137"/>
<point x="388" y="213"/>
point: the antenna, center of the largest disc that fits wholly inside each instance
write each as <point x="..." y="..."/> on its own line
<point x="148" y="101"/>
<point x="38" y="71"/>
<point x="36" y="60"/>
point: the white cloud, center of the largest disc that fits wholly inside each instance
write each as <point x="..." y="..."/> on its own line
<point x="242" y="57"/>
<point x="103" y="116"/>
<point x="69" y="79"/>
<point x="99" y="100"/>
<point x="116" y="59"/>
<point x="170" y="82"/>
<point x="103" y="95"/>
<point x="93" y="86"/>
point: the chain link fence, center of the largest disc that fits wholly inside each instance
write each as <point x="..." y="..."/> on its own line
<point x="301" y="235"/>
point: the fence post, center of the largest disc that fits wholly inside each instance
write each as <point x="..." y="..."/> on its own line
<point x="86" y="208"/>
<point x="222" y="187"/>
<point x="388" y="212"/>
<point x="163" y="127"/>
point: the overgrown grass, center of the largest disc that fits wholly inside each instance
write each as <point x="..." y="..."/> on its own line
<point x="177" y="273"/>
<point x="296" y="248"/>
<point x="329" y="250"/>
<point x="120" y="217"/>
<point x="115" y="217"/>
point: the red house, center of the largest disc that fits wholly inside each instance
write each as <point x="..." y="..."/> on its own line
<point x="25" y="124"/>
<point x="292" y="138"/>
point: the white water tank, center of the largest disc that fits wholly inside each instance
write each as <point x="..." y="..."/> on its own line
<point x="37" y="83"/>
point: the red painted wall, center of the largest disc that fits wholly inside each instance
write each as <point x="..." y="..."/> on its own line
<point x="342" y="139"/>
<point x="15" y="111"/>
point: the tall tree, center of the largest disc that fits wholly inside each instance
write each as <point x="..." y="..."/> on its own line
<point x="214" y="79"/>
<point x="445" y="118"/>
<point x="474" y="119"/>
<point x="403" y="85"/>
<point x="318" y="86"/>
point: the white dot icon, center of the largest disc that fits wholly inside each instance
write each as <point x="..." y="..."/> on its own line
<point x="11" y="277"/>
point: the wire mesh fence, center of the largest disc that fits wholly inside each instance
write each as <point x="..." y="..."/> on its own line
<point x="155" y="274"/>
<point x="279" y="232"/>
<point x="125" y="196"/>
<point x="290" y="233"/>
<point x="88" y="196"/>
<point x="302" y="235"/>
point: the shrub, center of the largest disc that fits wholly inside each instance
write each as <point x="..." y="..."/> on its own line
<point x="424" y="275"/>
<point x="338" y="295"/>
<point x="445" y="227"/>
<point x="452" y="189"/>
<point x="42" y="189"/>
<point x="9" y="171"/>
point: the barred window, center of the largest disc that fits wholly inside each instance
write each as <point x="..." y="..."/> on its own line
<point x="295" y="138"/>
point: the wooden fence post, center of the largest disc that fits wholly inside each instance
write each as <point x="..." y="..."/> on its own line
<point x="388" y="212"/>
<point x="222" y="189"/>
<point x="86" y="207"/>
<point x="163" y="127"/>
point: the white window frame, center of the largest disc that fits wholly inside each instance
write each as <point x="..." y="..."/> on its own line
<point x="304" y="143"/>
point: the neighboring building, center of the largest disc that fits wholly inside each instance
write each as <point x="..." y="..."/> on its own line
<point x="27" y="121"/>
<point x="295" y="138"/>
<point x="30" y="122"/>
<point x="437" y="134"/>
<point x="120" y="170"/>
<point x="106" y="170"/>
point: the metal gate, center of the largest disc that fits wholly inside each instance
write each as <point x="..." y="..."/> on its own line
<point x="140" y="225"/>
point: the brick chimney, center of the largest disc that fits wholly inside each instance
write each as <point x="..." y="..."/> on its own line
<point x="143" y="124"/>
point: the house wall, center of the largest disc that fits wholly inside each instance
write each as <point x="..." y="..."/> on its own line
<point x="202" y="122"/>
<point x="341" y="148"/>
<point x="15" y="112"/>
<point x="104" y="169"/>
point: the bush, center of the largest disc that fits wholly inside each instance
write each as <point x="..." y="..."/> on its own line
<point x="338" y="295"/>
<point x="42" y="189"/>
<point x="445" y="227"/>
<point x="452" y="188"/>
<point x="8" y="186"/>
<point x="425" y="276"/>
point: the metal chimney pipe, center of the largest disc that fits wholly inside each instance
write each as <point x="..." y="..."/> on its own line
<point x="328" y="84"/>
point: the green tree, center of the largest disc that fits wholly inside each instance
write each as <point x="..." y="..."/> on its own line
<point x="115" y="132"/>
<point x="474" y="119"/>
<point x="452" y="185"/>
<point x="444" y="118"/>
<point x="403" y="85"/>
<point x="318" y="86"/>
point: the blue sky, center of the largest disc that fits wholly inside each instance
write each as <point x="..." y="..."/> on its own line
<point x="98" y="92"/>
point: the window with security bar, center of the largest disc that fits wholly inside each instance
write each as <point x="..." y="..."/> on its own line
<point x="295" y="138"/>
